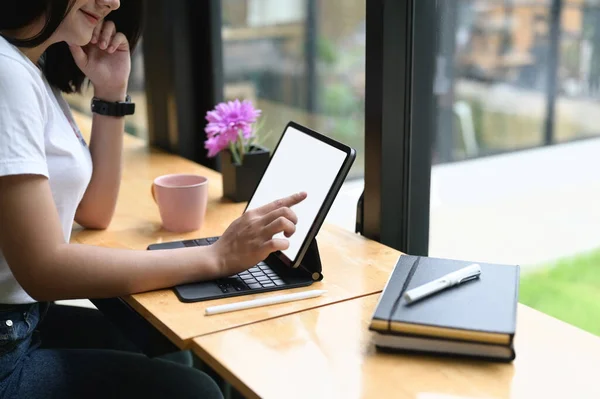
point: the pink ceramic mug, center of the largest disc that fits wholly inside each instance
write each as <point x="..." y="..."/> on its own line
<point x="181" y="200"/>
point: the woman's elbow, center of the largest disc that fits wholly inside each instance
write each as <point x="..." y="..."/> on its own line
<point x="94" y="222"/>
<point x="36" y="284"/>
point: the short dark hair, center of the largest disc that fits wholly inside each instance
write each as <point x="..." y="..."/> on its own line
<point x="58" y="64"/>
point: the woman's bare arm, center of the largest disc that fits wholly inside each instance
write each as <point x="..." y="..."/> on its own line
<point x="106" y="146"/>
<point x="49" y="269"/>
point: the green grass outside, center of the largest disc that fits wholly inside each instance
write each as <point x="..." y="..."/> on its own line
<point x="568" y="290"/>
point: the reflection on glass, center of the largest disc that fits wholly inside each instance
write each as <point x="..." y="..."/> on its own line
<point x="136" y="124"/>
<point x="300" y="60"/>
<point x="501" y="53"/>
<point x="498" y="52"/>
<point x="578" y="102"/>
<point x="519" y="75"/>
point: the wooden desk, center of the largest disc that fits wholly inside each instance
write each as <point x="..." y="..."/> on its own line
<point x="327" y="353"/>
<point x="352" y="265"/>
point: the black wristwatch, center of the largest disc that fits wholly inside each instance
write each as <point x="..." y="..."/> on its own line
<point x="119" y="108"/>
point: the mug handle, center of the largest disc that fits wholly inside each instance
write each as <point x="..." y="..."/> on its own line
<point x="153" y="192"/>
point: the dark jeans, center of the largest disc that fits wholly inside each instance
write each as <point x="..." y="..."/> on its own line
<point x="67" y="352"/>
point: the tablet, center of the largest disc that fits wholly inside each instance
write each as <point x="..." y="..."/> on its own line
<point x="303" y="160"/>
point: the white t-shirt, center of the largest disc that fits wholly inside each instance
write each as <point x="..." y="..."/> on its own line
<point x="38" y="136"/>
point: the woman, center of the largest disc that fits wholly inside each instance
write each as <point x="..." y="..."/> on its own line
<point x="50" y="178"/>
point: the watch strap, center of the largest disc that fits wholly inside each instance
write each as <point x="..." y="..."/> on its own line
<point x="118" y="108"/>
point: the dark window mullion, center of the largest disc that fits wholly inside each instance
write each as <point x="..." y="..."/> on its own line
<point x="184" y="73"/>
<point x="399" y="122"/>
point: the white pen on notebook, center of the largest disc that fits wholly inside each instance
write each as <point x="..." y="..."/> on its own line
<point x="272" y="300"/>
<point x="451" y="279"/>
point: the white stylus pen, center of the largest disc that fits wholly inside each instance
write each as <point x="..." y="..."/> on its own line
<point x="460" y="276"/>
<point x="272" y="300"/>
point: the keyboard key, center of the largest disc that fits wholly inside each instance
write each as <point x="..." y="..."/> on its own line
<point x="279" y="282"/>
<point x="245" y="273"/>
<point x="254" y="285"/>
<point x="248" y="277"/>
<point x="224" y="290"/>
<point x="254" y="269"/>
<point x="271" y="274"/>
<point x="269" y="284"/>
<point x="256" y="274"/>
<point x="212" y="240"/>
<point x="190" y="243"/>
<point x="241" y="285"/>
<point x="201" y="242"/>
<point x="263" y="278"/>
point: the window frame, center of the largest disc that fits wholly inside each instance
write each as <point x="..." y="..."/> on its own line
<point x="184" y="74"/>
<point x="398" y="134"/>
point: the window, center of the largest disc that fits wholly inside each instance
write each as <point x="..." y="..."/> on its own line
<point x="516" y="146"/>
<point x="301" y="60"/>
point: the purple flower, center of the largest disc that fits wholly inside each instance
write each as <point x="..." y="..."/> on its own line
<point x="225" y="121"/>
<point x="215" y="144"/>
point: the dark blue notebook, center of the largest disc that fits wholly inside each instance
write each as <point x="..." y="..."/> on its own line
<point x="479" y="312"/>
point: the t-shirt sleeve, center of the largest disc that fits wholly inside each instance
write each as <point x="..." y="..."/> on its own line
<point x="22" y="121"/>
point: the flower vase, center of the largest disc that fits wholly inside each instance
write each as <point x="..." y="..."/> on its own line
<point x="240" y="181"/>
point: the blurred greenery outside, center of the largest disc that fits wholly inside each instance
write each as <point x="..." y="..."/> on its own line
<point x="339" y="104"/>
<point x="498" y="132"/>
<point x="568" y="290"/>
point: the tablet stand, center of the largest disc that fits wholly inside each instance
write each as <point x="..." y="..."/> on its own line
<point x="311" y="262"/>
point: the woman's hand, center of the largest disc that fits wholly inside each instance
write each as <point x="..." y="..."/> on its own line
<point x="249" y="239"/>
<point x="106" y="61"/>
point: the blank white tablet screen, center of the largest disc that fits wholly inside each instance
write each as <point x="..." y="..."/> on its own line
<point x="300" y="163"/>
